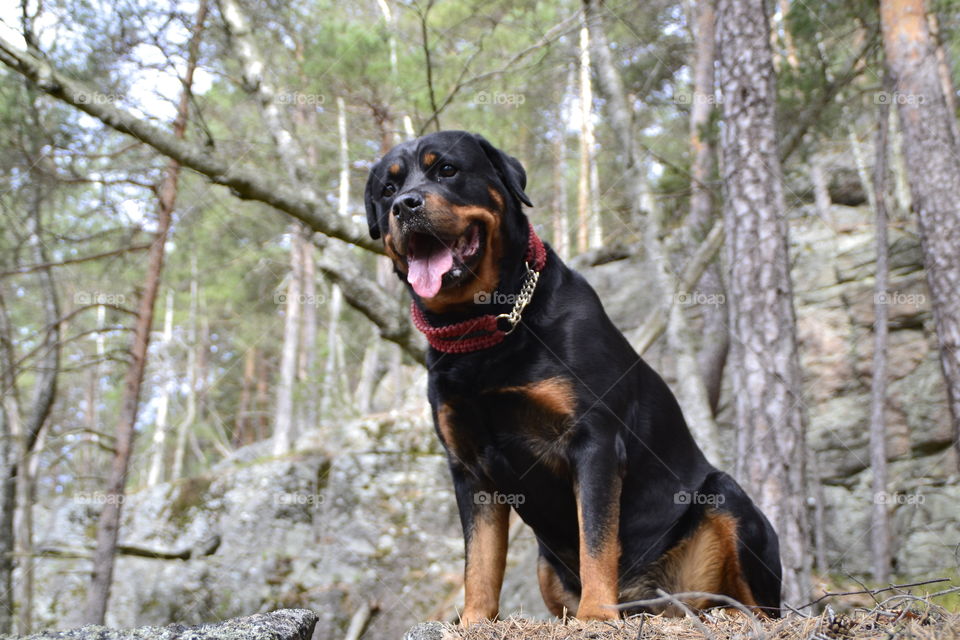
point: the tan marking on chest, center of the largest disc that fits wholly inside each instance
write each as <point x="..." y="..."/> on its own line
<point x="553" y="395"/>
<point x="544" y="415"/>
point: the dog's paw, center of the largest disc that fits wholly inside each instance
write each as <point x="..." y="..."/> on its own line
<point x="596" y="611"/>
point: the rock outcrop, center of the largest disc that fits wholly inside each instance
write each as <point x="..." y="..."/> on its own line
<point x="285" y="624"/>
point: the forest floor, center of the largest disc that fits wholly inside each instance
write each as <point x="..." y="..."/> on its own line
<point x="922" y="623"/>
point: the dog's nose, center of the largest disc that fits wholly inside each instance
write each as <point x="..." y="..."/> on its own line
<point x="409" y="204"/>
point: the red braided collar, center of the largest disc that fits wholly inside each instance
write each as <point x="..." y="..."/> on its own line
<point x="480" y="332"/>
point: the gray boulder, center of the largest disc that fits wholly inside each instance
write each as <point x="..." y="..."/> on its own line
<point x="285" y="624"/>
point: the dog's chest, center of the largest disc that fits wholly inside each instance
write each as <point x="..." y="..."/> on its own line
<point x="512" y="430"/>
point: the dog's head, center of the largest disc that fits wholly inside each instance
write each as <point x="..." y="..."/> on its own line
<point x="448" y="206"/>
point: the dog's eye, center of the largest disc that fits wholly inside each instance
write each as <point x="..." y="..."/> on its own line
<point x="447" y="170"/>
<point x="389" y="190"/>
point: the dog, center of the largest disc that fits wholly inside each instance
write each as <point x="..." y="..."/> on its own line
<point x="543" y="406"/>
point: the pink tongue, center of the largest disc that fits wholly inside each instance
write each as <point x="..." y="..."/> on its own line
<point x="425" y="273"/>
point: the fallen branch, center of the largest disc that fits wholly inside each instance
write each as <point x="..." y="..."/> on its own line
<point x="360" y="621"/>
<point x="205" y="547"/>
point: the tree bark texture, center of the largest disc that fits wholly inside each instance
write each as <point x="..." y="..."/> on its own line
<point x="933" y="171"/>
<point x="763" y="357"/>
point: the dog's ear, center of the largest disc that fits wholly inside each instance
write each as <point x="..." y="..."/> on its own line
<point x="511" y="172"/>
<point x="373" y="222"/>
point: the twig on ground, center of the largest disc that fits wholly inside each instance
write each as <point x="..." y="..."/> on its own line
<point x="690" y="614"/>
<point x="674" y="599"/>
<point x="871" y="592"/>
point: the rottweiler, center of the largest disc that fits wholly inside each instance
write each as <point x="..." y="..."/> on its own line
<point x="543" y="406"/>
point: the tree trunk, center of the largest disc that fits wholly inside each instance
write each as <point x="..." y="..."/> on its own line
<point x="203" y="364"/>
<point x="330" y="368"/>
<point x="792" y="58"/>
<point x="933" y="171"/>
<point x="586" y="199"/>
<point x="8" y="501"/>
<point x="242" y="420"/>
<point x="185" y="426"/>
<point x="701" y="108"/>
<point x="715" y="341"/>
<point x="763" y="358"/>
<point x="363" y="394"/>
<point x="306" y="369"/>
<point x="944" y="71"/>
<point x="262" y="400"/>
<point x="159" y="444"/>
<point x="331" y="378"/>
<point x="308" y="417"/>
<point x="863" y="170"/>
<point x="559" y="213"/>
<point x="901" y="186"/>
<point x="27" y="498"/>
<point x="109" y="525"/>
<point x="283" y="420"/>
<point x="879" y="522"/>
<point x="819" y="514"/>
<point x="9" y="456"/>
<point x="94" y="457"/>
<point x="821" y="191"/>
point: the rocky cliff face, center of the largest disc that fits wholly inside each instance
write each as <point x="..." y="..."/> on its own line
<point x="835" y="298"/>
<point x="363" y="514"/>
<point x="833" y="277"/>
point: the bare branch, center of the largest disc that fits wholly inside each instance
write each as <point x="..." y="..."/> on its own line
<point x="47" y="265"/>
<point x="656" y="322"/>
<point x="242" y="182"/>
<point x="815" y="108"/>
<point x="381" y="308"/>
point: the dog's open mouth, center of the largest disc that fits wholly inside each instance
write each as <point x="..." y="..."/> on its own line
<point x="434" y="262"/>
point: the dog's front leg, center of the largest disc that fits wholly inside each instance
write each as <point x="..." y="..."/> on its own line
<point x="598" y="469"/>
<point x="485" y="525"/>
